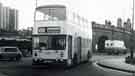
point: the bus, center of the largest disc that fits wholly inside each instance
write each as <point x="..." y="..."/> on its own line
<point x="60" y="36"/>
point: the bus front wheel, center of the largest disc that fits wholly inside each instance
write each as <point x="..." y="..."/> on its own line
<point x="69" y="62"/>
<point x="35" y="61"/>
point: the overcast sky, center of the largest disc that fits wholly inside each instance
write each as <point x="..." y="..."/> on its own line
<point x="93" y="10"/>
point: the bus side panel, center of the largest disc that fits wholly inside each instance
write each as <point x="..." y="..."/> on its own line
<point x="73" y="46"/>
<point x="90" y="47"/>
<point x="83" y="49"/>
<point x="69" y="47"/>
<point x="79" y="48"/>
<point x="76" y="48"/>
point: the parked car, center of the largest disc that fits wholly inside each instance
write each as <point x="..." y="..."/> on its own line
<point x="10" y="53"/>
<point x="115" y="47"/>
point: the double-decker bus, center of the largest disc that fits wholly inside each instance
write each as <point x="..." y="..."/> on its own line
<point x="60" y="36"/>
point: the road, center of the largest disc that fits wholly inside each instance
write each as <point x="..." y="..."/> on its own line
<point x="25" y="68"/>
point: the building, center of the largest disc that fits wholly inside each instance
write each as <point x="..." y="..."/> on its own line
<point x="13" y="20"/>
<point x="119" y="22"/>
<point x="127" y="25"/>
<point x="1" y="16"/>
<point x="8" y="19"/>
<point x="0" y="13"/>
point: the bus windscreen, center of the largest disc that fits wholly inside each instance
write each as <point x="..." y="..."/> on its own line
<point x="52" y="42"/>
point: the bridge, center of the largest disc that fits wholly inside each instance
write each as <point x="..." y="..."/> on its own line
<point x="102" y="32"/>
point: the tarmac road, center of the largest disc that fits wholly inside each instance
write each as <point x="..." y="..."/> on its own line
<point x="25" y="68"/>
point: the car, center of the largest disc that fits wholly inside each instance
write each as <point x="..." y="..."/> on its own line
<point x="115" y="47"/>
<point x="10" y="53"/>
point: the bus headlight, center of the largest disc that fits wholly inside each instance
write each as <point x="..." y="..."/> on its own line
<point x="62" y="54"/>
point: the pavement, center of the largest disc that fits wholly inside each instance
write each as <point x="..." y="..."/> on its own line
<point x="1" y="74"/>
<point x="117" y="64"/>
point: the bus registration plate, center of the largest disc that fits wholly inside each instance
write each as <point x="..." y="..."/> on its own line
<point x="47" y="52"/>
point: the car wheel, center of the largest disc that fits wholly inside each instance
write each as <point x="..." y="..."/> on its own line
<point x="109" y="53"/>
<point x="0" y="57"/>
<point x="11" y="59"/>
<point x="18" y="58"/>
<point x="124" y="52"/>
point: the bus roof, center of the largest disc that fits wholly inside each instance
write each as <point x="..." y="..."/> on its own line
<point x="51" y="6"/>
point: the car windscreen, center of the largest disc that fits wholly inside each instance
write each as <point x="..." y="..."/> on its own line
<point x="10" y="49"/>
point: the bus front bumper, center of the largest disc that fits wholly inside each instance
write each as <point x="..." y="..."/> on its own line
<point x="37" y="60"/>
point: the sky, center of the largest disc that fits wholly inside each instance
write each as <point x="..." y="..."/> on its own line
<point x="93" y="10"/>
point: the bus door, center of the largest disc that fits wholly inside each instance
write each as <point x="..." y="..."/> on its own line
<point x="70" y="47"/>
<point x="79" y="46"/>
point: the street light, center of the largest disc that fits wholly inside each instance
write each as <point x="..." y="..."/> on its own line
<point x="35" y="11"/>
<point x="131" y="36"/>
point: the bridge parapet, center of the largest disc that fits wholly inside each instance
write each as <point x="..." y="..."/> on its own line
<point x="110" y="28"/>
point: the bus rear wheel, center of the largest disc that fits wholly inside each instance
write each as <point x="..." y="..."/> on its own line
<point x="88" y="56"/>
<point x="75" y="60"/>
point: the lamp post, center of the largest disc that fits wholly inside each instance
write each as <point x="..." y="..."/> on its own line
<point x="112" y="32"/>
<point x="131" y="36"/>
<point x="35" y="11"/>
<point x="130" y="59"/>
